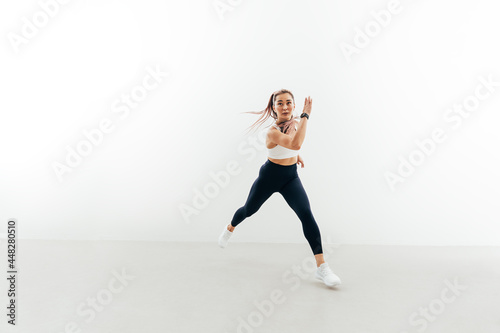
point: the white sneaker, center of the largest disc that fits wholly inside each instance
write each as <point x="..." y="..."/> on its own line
<point x="224" y="237"/>
<point x="324" y="273"/>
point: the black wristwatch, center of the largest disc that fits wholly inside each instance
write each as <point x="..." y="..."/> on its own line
<point x="304" y="115"/>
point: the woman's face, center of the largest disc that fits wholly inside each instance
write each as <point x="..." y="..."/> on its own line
<point x="284" y="106"/>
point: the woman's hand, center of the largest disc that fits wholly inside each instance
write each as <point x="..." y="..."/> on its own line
<point x="300" y="161"/>
<point x="308" y="105"/>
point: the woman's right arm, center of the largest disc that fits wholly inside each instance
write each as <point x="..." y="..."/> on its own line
<point x="300" y="134"/>
<point x="293" y="142"/>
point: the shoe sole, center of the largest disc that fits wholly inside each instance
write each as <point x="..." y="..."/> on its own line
<point x="221" y="245"/>
<point x="329" y="285"/>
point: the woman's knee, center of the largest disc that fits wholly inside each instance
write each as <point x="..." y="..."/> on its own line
<point x="305" y="215"/>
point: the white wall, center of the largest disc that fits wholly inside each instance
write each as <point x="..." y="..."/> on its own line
<point x="368" y="109"/>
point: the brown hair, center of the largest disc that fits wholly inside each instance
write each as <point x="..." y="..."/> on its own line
<point x="269" y="112"/>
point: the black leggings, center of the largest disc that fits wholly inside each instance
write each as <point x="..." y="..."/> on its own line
<point x="285" y="180"/>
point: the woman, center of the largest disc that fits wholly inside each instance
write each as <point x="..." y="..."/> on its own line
<point x="279" y="174"/>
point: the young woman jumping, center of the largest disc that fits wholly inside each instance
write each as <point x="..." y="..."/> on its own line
<point x="279" y="174"/>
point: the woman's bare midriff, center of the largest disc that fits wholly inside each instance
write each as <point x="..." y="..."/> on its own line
<point x="284" y="161"/>
<point x="281" y="161"/>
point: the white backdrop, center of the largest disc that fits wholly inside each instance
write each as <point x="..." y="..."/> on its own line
<point x="115" y="116"/>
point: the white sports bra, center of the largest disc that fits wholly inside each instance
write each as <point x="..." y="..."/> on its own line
<point x="280" y="152"/>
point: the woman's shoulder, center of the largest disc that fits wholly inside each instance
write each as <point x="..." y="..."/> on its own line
<point x="271" y="129"/>
<point x="274" y="126"/>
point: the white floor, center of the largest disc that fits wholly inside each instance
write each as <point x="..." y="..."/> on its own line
<point x="252" y="287"/>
